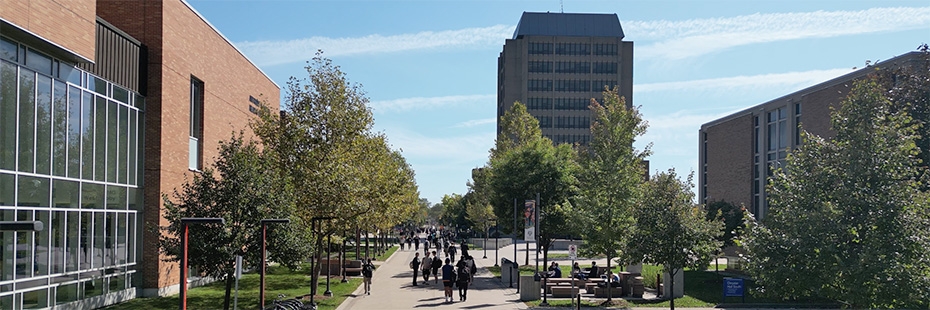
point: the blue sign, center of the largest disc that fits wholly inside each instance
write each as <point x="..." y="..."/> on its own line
<point x="733" y="287"/>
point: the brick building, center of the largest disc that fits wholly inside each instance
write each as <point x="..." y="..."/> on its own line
<point x="556" y="62"/>
<point x="739" y="152"/>
<point x="104" y="106"/>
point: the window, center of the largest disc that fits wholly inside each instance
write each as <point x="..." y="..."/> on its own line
<point x="797" y="124"/>
<point x="605" y="68"/>
<point x="539" y="67"/>
<point x="572" y="85"/>
<point x="539" y="85"/>
<point x="196" y="131"/>
<point x="599" y="85"/>
<point x="573" y="67"/>
<point x="544" y="121"/>
<point x="573" y="49"/>
<point x="572" y="103"/>
<point x="535" y="48"/>
<point x="605" y="49"/>
<point x="572" y="122"/>
<point x="777" y="139"/>
<point x="539" y="103"/>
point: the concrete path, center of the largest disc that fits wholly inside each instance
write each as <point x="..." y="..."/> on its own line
<point x="392" y="288"/>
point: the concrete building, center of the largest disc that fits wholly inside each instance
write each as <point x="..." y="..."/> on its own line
<point x="556" y="62"/>
<point x="739" y="152"/>
<point x="104" y="106"/>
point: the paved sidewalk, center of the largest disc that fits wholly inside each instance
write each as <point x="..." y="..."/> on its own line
<point x="392" y="289"/>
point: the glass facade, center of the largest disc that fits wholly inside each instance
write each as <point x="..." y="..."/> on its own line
<point x="69" y="158"/>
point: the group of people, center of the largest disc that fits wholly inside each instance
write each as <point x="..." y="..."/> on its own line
<point x="460" y="275"/>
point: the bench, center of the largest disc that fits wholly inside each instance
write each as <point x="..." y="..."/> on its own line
<point x="578" y="282"/>
<point x="601" y="292"/>
<point x="353" y="267"/>
<point x="562" y="291"/>
<point x="589" y="287"/>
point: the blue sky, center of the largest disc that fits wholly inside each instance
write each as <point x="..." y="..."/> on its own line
<point x="429" y="67"/>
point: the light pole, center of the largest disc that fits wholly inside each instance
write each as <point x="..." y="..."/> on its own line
<point x="485" y="245"/>
<point x="182" y="303"/>
<point x="312" y="261"/>
<point x="329" y="263"/>
<point x="344" y="257"/>
<point x="265" y="223"/>
<point x="496" y="248"/>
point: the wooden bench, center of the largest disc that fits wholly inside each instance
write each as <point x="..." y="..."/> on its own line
<point x="589" y="287"/>
<point x="561" y="291"/>
<point x="353" y="268"/>
<point x="578" y="282"/>
<point x="601" y="292"/>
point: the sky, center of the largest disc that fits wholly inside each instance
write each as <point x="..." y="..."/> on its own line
<point x="429" y="68"/>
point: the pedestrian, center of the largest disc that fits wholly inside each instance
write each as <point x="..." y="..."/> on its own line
<point x="425" y="247"/>
<point x="409" y="242"/>
<point x="368" y="269"/>
<point x="425" y="266"/>
<point x="401" y="243"/>
<point x="464" y="247"/>
<point x="437" y="263"/>
<point x="416" y="243"/>
<point x="448" y="278"/>
<point x="415" y="265"/>
<point x="463" y="278"/>
<point x="452" y="250"/>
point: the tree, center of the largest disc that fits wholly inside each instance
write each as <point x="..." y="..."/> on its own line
<point x="849" y="219"/>
<point x="480" y="217"/>
<point x="453" y="211"/>
<point x="732" y="218"/>
<point x="324" y="147"/>
<point x="671" y="229"/>
<point x="240" y="191"/>
<point x="611" y="174"/>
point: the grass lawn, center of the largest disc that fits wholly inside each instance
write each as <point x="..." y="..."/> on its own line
<point x="566" y="303"/>
<point x="279" y="280"/>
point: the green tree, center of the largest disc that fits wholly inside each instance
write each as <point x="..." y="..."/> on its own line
<point x="732" y="218"/>
<point x="323" y="146"/>
<point x="671" y="230"/>
<point x="848" y="220"/>
<point x="611" y="176"/>
<point x="240" y="191"/>
<point x="453" y="211"/>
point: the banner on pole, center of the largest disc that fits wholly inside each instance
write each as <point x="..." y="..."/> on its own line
<point x="529" y="218"/>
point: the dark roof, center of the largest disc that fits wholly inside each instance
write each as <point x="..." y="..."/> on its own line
<point x="568" y="24"/>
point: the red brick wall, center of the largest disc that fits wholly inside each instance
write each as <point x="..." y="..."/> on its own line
<point x="181" y="45"/>
<point x="816" y="108"/>
<point x="68" y="23"/>
<point x="729" y="161"/>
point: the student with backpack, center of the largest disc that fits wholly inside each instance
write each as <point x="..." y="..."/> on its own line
<point x="463" y="278"/>
<point x="368" y="269"/>
<point x="435" y="266"/>
<point x="448" y="278"/>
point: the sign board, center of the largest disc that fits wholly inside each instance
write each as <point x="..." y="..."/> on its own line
<point x="529" y="220"/>
<point x="572" y="251"/>
<point x="733" y="287"/>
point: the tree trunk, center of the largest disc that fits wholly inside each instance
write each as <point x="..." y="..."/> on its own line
<point x="358" y="242"/>
<point x="609" y="288"/>
<point x="671" y="291"/>
<point x="366" y="244"/>
<point x="230" y="277"/>
<point x="315" y="273"/>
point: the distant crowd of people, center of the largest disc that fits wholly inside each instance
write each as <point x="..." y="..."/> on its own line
<point x="452" y="273"/>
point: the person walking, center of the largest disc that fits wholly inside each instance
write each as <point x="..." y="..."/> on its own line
<point x="448" y="278"/>
<point x="425" y="266"/>
<point x="463" y="278"/>
<point x="452" y="251"/>
<point x="425" y="247"/>
<point x="402" y="243"/>
<point x="368" y="269"/>
<point x="416" y="243"/>
<point x="437" y="263"/>
<point x="415" y="265"/>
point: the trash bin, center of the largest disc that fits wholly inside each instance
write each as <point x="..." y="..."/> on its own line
<point x="529" y="288"/>
<point x="509" y="272"/>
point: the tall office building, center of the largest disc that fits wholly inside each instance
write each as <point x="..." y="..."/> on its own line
<point x="104" y="106"/>
<point x="556" y="62"/>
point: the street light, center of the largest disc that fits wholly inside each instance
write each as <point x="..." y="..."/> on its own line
<point x="329" y="263"/>
<point x="312" y="261"/>
<point x="485" y="245"/>
<point x="184" y="232"/>
<point x="343" y="258"/>
<point x="265" y="223"/>
<point x="496" y="247"/>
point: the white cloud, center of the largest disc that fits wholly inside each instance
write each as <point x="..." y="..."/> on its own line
<point x="803" y="78"/>
<point x="476" y="122"/>
<point x="452" y="150"/>
<point x="420" y="103"/>
<point x="695" y="37"/>
<point x="269" y="53"/>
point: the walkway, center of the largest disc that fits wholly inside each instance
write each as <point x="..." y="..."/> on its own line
<point x="392" y="289"/>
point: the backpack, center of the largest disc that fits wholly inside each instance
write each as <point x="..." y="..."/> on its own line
<point x="437" y="263"/>
<point x="464" y="274"/>
<point x="366" y="270"/>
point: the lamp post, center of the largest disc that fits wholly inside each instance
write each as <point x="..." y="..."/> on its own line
<point x="265" y="223"/>
<point x="485" y="245"/>
<point x="329" y="263"/>
<point x="182" y="303"/>
<point x="312" y="261"/>
<point x="496" y="247"/>
<point x="344" y="257"/>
